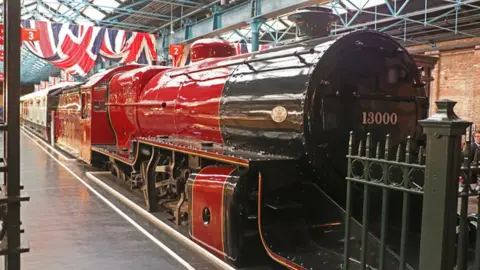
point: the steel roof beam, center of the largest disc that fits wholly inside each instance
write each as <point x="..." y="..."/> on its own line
<point x="80" y="2"/>
<point x="184" y="3"/>
<point x="76" y="11"/>
<point x="96" y="22"/>
<point x="238" y="16"/>
<point x="129" y="6"/>
<point x="125" y="10"/>
<point x="202" y="8"/>
<point x="407" y="18"/>
<point x="391" y="18"/>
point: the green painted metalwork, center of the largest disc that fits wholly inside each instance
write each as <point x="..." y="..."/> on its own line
<point x="444" y="131"/>
<point x="450" y="234"/>
<point x="255" y="24"/>
<point x="379" y="172"/>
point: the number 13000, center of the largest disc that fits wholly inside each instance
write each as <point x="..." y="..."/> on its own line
<point x="379" y="118"/>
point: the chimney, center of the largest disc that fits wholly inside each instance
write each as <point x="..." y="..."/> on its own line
<point x="312" y="22"/>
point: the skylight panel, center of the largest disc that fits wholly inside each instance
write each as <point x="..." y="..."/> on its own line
<point x="106" y="5"/>
<point x="45" y="12"/>
<point x="52" y="3"/>
<point x="27" y="16"/>
<point x="63" y="9"/>
<point x="354" y="4"/>
<point x="30" y="8"/>
<point x="41" y="17"/>
<point x="58" y="19"/>
<point x="93" y="13"/>
<point x="362" y="3"/>
<point x="83" y="21"/>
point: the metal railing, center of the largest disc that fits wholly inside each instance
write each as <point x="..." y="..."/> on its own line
<point x="433" y="188"/>
<point x="375" y="168"/>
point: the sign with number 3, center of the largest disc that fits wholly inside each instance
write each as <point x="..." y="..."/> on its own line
<point x="27" y="34"/>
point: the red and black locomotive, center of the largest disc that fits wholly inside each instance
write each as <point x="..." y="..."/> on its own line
<point x="248" y="151"/>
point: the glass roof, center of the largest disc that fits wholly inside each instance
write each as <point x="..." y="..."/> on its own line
<point x="282" y="23"/>
<point x="77" y="11"/>
<point x="146" y="15"/>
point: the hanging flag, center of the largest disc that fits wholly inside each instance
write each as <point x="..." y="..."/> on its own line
<point x="52" y="81"/>
<point x="65" y="76"/>
<point x="77" y="48"/>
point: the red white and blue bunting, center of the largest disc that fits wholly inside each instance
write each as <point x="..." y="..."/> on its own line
<point x="77" y="48"/>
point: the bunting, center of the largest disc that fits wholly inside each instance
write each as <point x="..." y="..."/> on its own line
<point x="77" y="48"/>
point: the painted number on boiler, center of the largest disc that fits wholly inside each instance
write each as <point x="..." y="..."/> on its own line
<point x="379" y="118"/>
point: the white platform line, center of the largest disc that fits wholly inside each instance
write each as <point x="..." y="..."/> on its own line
<point x="35" y="138"/>
<point x="158" y="223"/>
<point x="122" y="214"/>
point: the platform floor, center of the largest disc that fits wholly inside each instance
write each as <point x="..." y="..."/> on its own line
<point x="69" y="227"/>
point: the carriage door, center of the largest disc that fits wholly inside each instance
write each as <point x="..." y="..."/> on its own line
<point x="84" y="135"/>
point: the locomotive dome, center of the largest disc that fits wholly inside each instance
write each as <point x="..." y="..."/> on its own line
<point x="211" y="48"/>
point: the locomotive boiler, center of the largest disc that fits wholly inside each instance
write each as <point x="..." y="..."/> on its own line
<point x="248" y="151"/>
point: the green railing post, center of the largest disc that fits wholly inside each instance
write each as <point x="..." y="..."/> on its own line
<point x="444" y="131"/>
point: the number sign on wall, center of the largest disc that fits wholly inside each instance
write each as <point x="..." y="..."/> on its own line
<point x="27" y="34"/>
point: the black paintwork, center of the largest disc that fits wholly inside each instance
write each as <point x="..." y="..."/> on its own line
<point x="325" y="93"/>
<point x="213" y="149"/>
<point x="296" y="84"/>
<point x="303" y="224"/>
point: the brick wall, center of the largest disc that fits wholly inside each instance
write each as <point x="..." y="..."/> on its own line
<point x="457" y="77"/>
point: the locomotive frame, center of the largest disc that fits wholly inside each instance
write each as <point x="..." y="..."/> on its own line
<point x="231" y="197"/>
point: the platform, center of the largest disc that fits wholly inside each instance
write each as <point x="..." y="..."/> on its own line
<point x="70" y="226"/>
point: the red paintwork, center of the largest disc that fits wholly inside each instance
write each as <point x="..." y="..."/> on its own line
<point x="198" y="105"/>
<point x="207" y="191"/>
<point x="184" y="102"/>
<point x="125" y="90"/>
<point x="69" y="129"/>
<point x="159" y="118"/>
<point x="181" y="102"/>
<point x="211" y="48"/>
<point x="101" y="133"/>
<point x="86" y="125"/>
<point x="100" y="117"/>
<point x="78" y="133"/>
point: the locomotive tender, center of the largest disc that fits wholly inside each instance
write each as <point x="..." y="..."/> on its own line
<point x="248" y="151"/>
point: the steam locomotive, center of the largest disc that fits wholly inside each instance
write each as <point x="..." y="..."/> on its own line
<point x="248" y="151"/>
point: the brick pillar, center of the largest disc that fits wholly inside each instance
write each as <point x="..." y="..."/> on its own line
<point x="475" y="104"/>
<point x="435" y="84"/>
